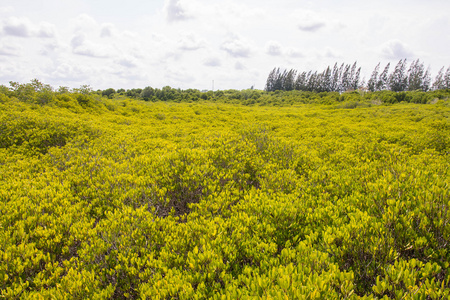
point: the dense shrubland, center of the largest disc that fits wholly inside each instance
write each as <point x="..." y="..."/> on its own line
<point x="120" y="198"/>
<point x="286" y="98"/>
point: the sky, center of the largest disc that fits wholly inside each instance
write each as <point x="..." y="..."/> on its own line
<point x="211" y="44"/>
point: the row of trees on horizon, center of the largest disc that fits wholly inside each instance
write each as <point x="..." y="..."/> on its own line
<point x="345" y="77"/>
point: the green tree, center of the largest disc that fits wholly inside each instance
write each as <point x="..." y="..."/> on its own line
<point x="335" y="77"/>
<point x="326" y="80"/>
<point x="288" y="80"/>
<point x="426" y="80"/>
<point x="355" y="73"/>
<point x="383" y="79"/>
<point x="148" y="93"/>
<point x="63" y="90"/>
<point x="272" y="83"/>
<point x="109" y="93"/>
<point x="438" y="83"/>
<point x="446" y="81"/>
<point x="372" y="83"/>
<point x="300" y="82"/>
<point x="398" y="81"/>
<point x="416" y="75"/>
<point x="345" y="79"/>
<point x="83" y="89"/>
<point x="133" y="93"/>
<point x="312" y="81"/>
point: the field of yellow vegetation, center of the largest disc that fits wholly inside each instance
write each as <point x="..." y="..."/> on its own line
<point x="117" y="198"/>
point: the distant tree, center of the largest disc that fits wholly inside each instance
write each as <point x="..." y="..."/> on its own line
<point x="39" y="86"/>
<point x="340" y="88"/>
<point x="442" y="80"/>
<point x="84" y="89"/>
<point x="335" y="78"/>
<point x="446" y="84"/>
<point x="355" y="73"/>
<point x="362" y="85"/>
<point x="63" y="90"/>
<point x="311" y="84"/>
<point x="415" y="75"/>
<point x="270" y="81"/>
<point x="134" y="93"/>
<point x="35" y="91"/>
<point x="147" y="93"/>
<point x="279" y="78"/>
<point x="300" y="82"/>
<point x="167" y="93"/>
<point x="326" y="80"/>
<point x="346" y="79"/>
<point x="372" y="83"/>
<point x="383" y="79"/>
<point x="273" y="82"/>
<point x="288" y="80"/>
<point x="426" y="80"/>
<point x="318" y="82"/>
<point x="352" y="77"/>
<point x="398" y="80"/>
<point x="438" y="83"/>
<point x="109" y="93"/>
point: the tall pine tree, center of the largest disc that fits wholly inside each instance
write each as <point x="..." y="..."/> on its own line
<point x="415" y="75"/>
<point x="438" y="83"/>
<point x="383" y="80"/>
<point x="372" y="83"/>
<point x="446" y="84"/>
<point x="398" y="80"/>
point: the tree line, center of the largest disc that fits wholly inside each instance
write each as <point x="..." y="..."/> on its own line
<point x="347" y="77"/>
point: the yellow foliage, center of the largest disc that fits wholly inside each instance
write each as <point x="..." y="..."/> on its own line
<point x="105" y="198"/>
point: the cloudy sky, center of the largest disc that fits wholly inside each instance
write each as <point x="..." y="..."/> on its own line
<point x="190" y="43"/>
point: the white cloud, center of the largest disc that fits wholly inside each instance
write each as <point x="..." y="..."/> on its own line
<point x="46" y="30"/>
<point x="177" y="75"/>
<point x="191" y="42"/>
<point x="239" y="66"/>
<point x="294" y="53"/>
<point x="309" y="21"/>
<point x="85" y="22"/>
<point x="107" y="30"/>
<point x="6" y="10"/>
<point x="273" y="48"/>
<point x="82" y="46"/>
<point x="396" y="49"/>
<point x="10" y="71"/>
<point x="175" y="11"/>
<point x="331" y="53"/>
<point x="311" y="26"/>
<point x="236" y="47"/>
<point x="170" y="54"/>
<point x="78" y="40"/>
<point x="135" y="50"/>
<point x="71" y="72"/>
<point x="127" y="61"/>
<point x="212" y="62"/>
<point x="50" y="48"/>
<point x="23" y="27"/>
<point x="10" y="49"/>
